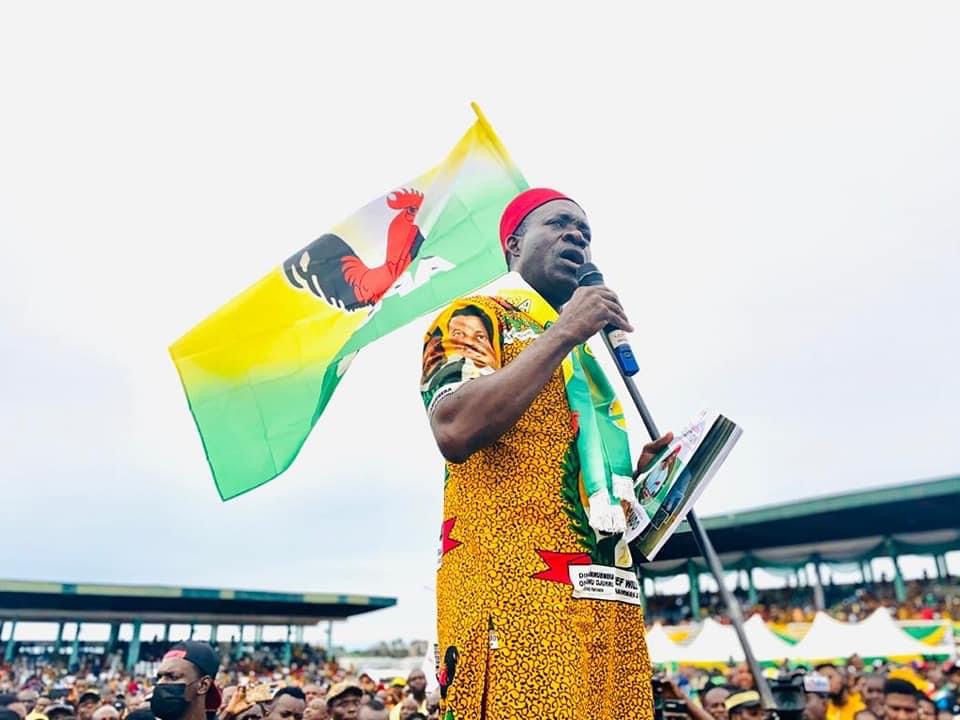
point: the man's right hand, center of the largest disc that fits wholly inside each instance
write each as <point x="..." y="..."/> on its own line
<point x="590" y="309"/>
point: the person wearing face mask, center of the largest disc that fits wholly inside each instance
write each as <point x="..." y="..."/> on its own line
<point x="185" y="688"/>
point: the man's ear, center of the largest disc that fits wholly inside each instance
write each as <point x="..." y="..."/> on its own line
<point x="203" y="687"/>
<point x="513" y="245"/>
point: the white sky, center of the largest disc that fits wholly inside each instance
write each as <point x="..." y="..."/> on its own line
<point x="774" y="190"/>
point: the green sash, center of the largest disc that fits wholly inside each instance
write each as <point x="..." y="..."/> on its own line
<point x="606" y="465"/>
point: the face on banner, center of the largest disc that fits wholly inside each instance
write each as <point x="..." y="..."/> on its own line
<point x="461" y="342"/>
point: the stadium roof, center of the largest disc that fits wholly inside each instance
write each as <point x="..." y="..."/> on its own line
<point x="830" y="523"/>
<point x="47" y="601"/>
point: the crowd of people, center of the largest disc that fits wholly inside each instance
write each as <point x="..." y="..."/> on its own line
<point x="926" y="599"/>
<point x="828" y="691"/>
<point x="191" y="681"/>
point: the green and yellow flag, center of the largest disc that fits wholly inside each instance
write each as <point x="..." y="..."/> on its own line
<point x="259" y="372"/>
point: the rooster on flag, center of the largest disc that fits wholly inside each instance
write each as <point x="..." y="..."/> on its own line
<point x="330" y="269"/>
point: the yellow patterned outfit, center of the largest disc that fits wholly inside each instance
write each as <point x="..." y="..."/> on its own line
<point x="513" y="642"/>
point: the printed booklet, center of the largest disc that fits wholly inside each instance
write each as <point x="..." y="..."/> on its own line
<point x="669" y="488"/>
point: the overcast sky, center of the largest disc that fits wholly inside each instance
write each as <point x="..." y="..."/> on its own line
<point x="774" y="191"/>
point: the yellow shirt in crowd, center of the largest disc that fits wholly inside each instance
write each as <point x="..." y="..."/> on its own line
<point x="846" y="711"/>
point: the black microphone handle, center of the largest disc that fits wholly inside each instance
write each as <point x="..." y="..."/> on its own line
<point x="615" y="339"/>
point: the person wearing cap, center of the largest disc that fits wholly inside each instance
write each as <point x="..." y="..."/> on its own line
<point x="745" y="705"/>
<point x="185" y="688"/>
<point x="343" y="700"/>
<point x="537" y="597"/>
<point x="87" y="704"/>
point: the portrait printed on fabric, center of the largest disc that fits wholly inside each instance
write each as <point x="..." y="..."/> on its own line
<point x="462" y="344"/>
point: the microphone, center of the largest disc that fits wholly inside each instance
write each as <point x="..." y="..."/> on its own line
<point x="615" y="338"/>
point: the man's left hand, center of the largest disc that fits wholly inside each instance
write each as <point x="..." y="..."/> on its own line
<point x="650" y="451"/>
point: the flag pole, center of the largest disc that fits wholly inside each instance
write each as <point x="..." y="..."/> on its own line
<point x="706" y="549"/>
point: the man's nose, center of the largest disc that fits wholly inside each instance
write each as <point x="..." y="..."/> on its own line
<point x="576" y="237"/>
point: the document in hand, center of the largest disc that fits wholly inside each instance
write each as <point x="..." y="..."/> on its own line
<point x="668" y="489"/>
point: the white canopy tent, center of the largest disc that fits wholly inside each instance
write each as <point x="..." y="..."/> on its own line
<point x="766" y="646"/>
<point x="877" y="636"/>
<point x="714" y="643"/>
<point x="826" y="638"/>
<point x="880" y="636"/>
<point x="719" y="643"/>
<point x="662" y="649"/>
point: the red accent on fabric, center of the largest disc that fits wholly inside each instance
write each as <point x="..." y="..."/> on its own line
<point x="175" y="654"/>
<point x="214" y="698"/>
<point x="521" y="206"/>
<point x="447" y="543"/>
<point x="558" y="565"/>
<point x="575" y="422"/>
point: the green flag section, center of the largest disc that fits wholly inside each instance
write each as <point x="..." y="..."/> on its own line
<point x="259" y="372"/>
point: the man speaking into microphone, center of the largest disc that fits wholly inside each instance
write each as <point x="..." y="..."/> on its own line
<point x="538" y="599"/>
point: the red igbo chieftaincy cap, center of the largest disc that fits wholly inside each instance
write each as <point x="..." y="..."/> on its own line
<point x="521" y="206"/>
<point x="206" y="661"/>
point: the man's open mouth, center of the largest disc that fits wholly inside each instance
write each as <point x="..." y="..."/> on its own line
<point x="573" y="255"/>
